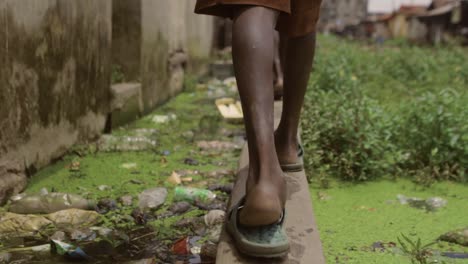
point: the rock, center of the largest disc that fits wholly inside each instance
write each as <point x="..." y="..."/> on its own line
<point x="459" y="237"/>
<point x="143" y="261"/>
<point x="126" y="200"/>
<point x="152" y="198"/>
<point x="104" y="187"/>
<point x="227" y="188"/>
<point x="214" y="217"/>
<point x="435" y="203"/>
<point x="180" y="207"/>
<point x="105" y="205"/>
<point x="214" y="233"/>
<point x="191" y="162"/>
<point x="161" y="119"/>
<point x="5" y="257"/>
<point x="75" y="217"/>
<point x="209" y="250"/>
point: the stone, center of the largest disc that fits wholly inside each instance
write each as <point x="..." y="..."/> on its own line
<point x="152" y="198"/>
<point x="180" y="207"/>
<point x="126" y="200"/>
<point x="59" y="235"/>
<point x="214" y="217"/>
<point x="459" y="237"/>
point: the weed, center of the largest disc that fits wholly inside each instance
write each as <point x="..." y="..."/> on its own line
<point x="418" y="252"/>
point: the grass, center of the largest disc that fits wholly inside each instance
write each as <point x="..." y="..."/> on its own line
<point x="383" y="121"/>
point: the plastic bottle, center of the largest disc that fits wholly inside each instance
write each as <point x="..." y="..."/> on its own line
<point x="193" y="195"/>
<point x="48" y="203"/>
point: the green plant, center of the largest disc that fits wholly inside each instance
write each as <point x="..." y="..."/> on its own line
<point x="418" y="252"/>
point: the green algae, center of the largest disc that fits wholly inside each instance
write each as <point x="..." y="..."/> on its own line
<point x="352" y="217"/>
<point x="153" y="166"/>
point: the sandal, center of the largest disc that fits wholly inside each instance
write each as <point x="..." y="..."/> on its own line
<point x="268" y="241"/>
<point x="298" y="166"/>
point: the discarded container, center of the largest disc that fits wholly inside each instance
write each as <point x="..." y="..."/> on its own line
<point x="69" y="251"/>
<point x="230" y="109"/>
<point x="20" y="225"/>
<point x="193" y="195"/>
<point x="48" y="203"/>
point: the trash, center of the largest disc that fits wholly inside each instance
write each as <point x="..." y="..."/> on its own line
<point x="111" y="143"/>
<point x="190" y="161"/>
<point x="174" y="178"/>
<point x="102" y="231"/>
<point x="459" y="237"/>
<point x="187" y="179"/>
<point x="59" y="235"/>
<point x="105" y="205"/>
<point x="455" y="255"/>
<point x="83" y="235"/>
<point x="68" y="251"/>
<point x="430" y="204"/>
<point x="20" y="225"/>
<point x="152" y="198"/>
<point x="143" y="261"/>
<point x="214" y="217"/>
<point x="381" y="246"/>
<point x="214" y="233"/>
<point x="180" y="207"/>
<point x="230" y="109"/>
<point x="43" y="191"/>
<point x="126" y="200"/>
<point x="74" y="217"/>
<point x="227" y="188"/>
<point x="104" y="187"/>
<point x="161" y="119"/>
<point x="189" y="194"/>
<point x="187" y="245"/>
<point x="49" y="203"/>
<point x="166" y="153"/>
<point x="129" y="166"/>
<point x="217" y="145"/>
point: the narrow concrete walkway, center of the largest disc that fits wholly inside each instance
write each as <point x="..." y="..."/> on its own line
<point x="300" y="224"/>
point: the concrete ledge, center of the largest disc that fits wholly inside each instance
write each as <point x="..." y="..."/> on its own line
<point x="301" y="227"/>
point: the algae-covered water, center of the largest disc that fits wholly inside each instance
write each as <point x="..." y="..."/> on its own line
<point x="352" y="217"/>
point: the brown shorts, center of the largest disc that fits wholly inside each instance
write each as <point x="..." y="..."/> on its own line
<point x="298" y="17"/>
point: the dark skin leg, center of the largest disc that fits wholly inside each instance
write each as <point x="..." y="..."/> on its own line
<point x="253" y="55"/>
<point x="298" y="58"/>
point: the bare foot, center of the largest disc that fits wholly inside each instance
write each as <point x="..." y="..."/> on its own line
<point x="286" y="149"/>
<point x="265" y="199"/>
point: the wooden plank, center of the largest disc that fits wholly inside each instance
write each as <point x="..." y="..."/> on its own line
<point x="300" y="224"/>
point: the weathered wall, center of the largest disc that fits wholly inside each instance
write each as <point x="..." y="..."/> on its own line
<point x="160" y="36"/>
<point x="336" y="14"/>
<point x="54" y="81"/>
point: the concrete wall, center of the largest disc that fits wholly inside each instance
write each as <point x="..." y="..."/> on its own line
<point x="56" y="60"/>
<point x="164" y="35"/>
<point x="54" y="81"/>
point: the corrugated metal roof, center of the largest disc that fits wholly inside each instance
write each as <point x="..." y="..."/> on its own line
<point x="389" y="6"/>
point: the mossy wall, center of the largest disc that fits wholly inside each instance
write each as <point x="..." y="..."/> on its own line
<point x="54" y="81"/>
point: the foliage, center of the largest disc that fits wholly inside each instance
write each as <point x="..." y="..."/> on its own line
<point x="375" y="112"/>
<point x="418" y="252"/>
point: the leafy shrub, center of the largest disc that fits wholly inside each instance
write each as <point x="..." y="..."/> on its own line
<point x="418" y="129"/>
